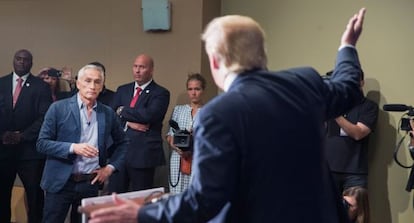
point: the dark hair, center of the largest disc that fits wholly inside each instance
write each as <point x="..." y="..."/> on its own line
<point x="96" y="63"/>
<point x="361" y="197"/>
<point x="197" y="77"/>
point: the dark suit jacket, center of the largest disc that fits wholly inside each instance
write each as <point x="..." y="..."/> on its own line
<point x="62" y="127"/>
<point x="26" y="116"/>
<point x="145" y="149"/>
<point x="2" y="115"/>
<point x="258" y="153"/>
<point x="106" y="96"/>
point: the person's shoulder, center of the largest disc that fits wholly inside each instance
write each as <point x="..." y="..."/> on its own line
<point x="4" y="77"/>
<point x="61" y="107"/>
<point x="309" y="72"/>
<point x="33" y="80"/>
<point x="104" y="107"/>
<point x="228" y="101"/>
<point x="160" y="87"/>
<point x="4" y="80"/>
<point x="125" y="86"/>
<point x="109" y="91"/>
<point x="295" y="76"/>
<point x="65" y="101"/>
<point x="183" y="107"/>
<point x="370" y="102"/>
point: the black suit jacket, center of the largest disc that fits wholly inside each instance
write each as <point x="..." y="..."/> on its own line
<point x="145" y="149"/>
<point x="26" y="116"/>
<point x="106" y="96"/>
<point x="258" y="150"/>
<point x="2" y="114"/>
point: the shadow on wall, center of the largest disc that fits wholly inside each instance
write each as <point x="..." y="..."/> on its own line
<point x="382" y="167"/>
<point x="381" y="145"/>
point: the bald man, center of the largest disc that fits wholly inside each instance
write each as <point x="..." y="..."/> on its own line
<point x="141" y="105"/>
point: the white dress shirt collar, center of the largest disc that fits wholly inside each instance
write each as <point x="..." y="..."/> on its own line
<point x="142" y="86"/>
<point x="228" y="80"/>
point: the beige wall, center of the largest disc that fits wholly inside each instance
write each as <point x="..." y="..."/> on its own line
<point x="307" y="33"/>
<point x="74" y="33"/>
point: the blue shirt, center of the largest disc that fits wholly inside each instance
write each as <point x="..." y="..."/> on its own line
<point x="89" y="134"/>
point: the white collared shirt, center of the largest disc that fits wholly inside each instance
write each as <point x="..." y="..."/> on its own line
<point x="89" y="134"/>
<point x="142" y="87"/>
<point x="15" y="77"/>
<point x="228" y="80"/>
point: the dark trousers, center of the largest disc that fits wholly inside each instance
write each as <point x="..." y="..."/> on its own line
<point x="131" y="179"/>
<point x="30" y="173"/>
<point x="57" y="204"/>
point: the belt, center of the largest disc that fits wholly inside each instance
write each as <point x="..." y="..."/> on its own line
<point x="80" y="177"/>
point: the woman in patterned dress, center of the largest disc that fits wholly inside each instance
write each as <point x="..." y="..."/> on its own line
<point x="184" y="115"/>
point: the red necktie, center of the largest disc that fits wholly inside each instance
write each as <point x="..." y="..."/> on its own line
<point x="17" y="90"/>
<point x="135" y="98"/>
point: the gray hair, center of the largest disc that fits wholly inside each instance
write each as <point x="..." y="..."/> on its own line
<point x="91" y="66"/>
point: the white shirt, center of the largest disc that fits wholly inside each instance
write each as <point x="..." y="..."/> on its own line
<point x="15" y="77"/>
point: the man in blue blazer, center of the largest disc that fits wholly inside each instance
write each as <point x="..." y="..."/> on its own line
<point x="23" y="115"/>
<point x="258" y="153"/>
<point x="74" y="136"/>
<point x="142" y="118"/>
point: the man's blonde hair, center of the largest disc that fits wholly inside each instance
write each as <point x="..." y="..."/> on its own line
<point x="239" y="40"/>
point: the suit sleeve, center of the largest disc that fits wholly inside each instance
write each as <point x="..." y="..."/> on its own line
<point x="369" y="115"/>
<point x="2" y="115"/>
<point x="342" y="91"/>
<point x="153" y="111"/>
<point x="208" y="193"/>
<point x="120" y="143"/>
<point x="46" y="143"/>
<point x="116" y="101"/>
<point x="43" y="101"/>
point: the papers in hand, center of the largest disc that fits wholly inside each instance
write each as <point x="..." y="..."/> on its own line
<point x="141" y="197"/>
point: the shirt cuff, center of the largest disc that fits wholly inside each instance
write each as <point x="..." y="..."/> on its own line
<point x="346" y="45"/>
<point x="71" y="149"/>
<point x="111" y="166"/>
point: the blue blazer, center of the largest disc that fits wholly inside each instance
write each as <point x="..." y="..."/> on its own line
<point x="258" y="152"/>
<point x="62" y="127"/>
<point x="146" y="148"/>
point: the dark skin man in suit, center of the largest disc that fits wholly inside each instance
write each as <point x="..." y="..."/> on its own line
<point x="24" y="116"/>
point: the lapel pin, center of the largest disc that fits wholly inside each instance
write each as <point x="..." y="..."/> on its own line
<point x="27" y="84"/>
<point x="147" y="91"/>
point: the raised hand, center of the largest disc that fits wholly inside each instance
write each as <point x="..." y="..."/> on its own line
<point x="353" y="29"/>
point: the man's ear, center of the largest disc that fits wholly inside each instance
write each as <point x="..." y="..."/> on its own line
<point x="362" y="83"/>
<point x="215" y="61"/>
<point x="77" y="84"/>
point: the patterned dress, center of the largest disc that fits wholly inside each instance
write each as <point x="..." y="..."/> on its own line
<point x="179" y="182"/>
